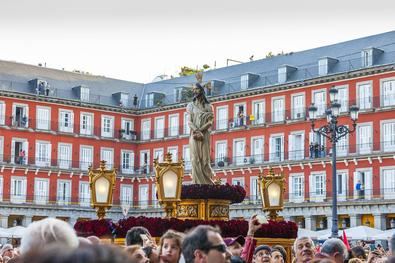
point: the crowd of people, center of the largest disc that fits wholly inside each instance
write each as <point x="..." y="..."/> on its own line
<point x="51" y="240"/>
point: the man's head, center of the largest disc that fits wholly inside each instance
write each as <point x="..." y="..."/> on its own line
<point x="336" y="249"/>
<point x="262" y="254"/>
<point x="205" y="244"/>
<point x="235" y="245"/>
<point x="133" y="236"/>
<point x="304" y="249"/>
<point x="359" y="252"/>
<point x="199" y="93"/>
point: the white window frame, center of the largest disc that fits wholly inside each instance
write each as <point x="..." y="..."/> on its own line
<point x="296" y="154"/>
<point x="143" y="203"/>
<point x="186" y="128"/>
<point x="273" y="153"/>
<point x="220" y="158"/>
<point x="323" y="67"/>
<point x="387" y="144"/>
<point x="25" y="147"/>
<point x="222" y="124"/>
<point x="65" y="200"/>
<point x="84" y="164"/>
<point x="342" y="150"/>
<point x="159" y="133"/>
<point x="240" y="180"/>
<point x="26" y="113"/>
<point x="320" y="108"/>
<point x="2" y="112"/>
<point x="260" y="119"/>
<point x="244" y="82"/>
<point x="124" y="168"/>
<point x="65" y="163"/>
<point x="365" y="103"/>
<point x="128" y="134"/>
<point x="368" y="186"/>
<point x="62" y="123"/>
<point x="89" y="126"/>
<point x="42" y="124"/>
<point x="278" y="115"/>
<point x="1" y="148"/>
<point x="364" y="149"/>
<point x="126" y="198"/>
<point x="295" y="196"/>
<point x="109" y="163"/>
<point x="342" y="196"/>
<point x="18" y="198"/>
<point x="239" y="159"/>
<point x="237" y="121"/>
<point x="145" y="166"/>
<point x="344" y="102"/>
<point x="162" y="155"/>
<point x="258" y="157"/>
<point x="173" y="149"/>
<point x="254" y="188"/>
<point x="187" y="157"/>
<point x="174" y="131"/>
<point x="387" y="100"/>
<point x="84" y="94"/>
<point x="146" y="131"/>
<point x="43" y="161"/>
<point x="298" y="112"/>
<point x="388" y="187"/>
<point x="367" y="57"/>
<point x="314" y="196"/>
<point x="39" y="198"/>
<point x="84" y="200"/>
<point x="104" y="132"/>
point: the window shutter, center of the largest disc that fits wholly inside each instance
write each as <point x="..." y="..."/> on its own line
<point x="2" y="113"/>
<point x="291" y="148"/>
<point x="291" y="193"/>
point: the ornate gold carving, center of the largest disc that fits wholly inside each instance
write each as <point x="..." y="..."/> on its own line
<point x="187" y="210"/>
<point x="219" y="211"/>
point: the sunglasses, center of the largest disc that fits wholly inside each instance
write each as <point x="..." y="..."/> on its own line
<point x="220" y="248"/>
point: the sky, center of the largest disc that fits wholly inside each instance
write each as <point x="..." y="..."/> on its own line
<point x="139" y="40"/>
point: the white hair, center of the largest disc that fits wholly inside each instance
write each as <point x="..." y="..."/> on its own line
<point x="302" y="238"/>
<point x="41" y="233"/>
<point x="333" y="245"/>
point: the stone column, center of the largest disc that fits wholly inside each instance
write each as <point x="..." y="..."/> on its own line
<point x="379" y="221"/>
<point x="310" y="222"/>
<point x="329" y="222"/>
<point x="27" y="219"/>
<point x="355" y="220"/>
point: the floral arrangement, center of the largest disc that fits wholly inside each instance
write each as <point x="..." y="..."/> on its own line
<point x="158" y="226"/>
<point x="233" y="193"/>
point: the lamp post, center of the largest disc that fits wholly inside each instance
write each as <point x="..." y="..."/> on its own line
<point x="271" y="188"/>
<point x="168" y="183"/>
<point x="102" y="184"/>
<point x="334" y="133"/>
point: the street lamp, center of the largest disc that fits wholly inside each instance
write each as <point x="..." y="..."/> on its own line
<point x="102" y="184"/>
<point x="271" y="188"/>
<point x="334" y="133"/>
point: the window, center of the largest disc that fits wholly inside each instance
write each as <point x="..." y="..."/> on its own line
<point x="20" y="115"/>
<point x="85" y="194"/>
<point x="343" y="98"/>
<point x="1" y="188"/>
<point x="41" y="191"/>
<point x="282" y="75"/>
<point x="364" y="178"/>
<point x="342" y="146"/>
<point x="146" y="129"/>
<point x="145" y="162"/>
<point x="43" y="154"/>
<point x="317" y="144"/>
<point x="173" y="125"/>
<point x="319" y="100"/>
<point x="278" y="109"/>
<point x="388" y="136"/>
<point x="64" y="155"/>
<point x="126" y="194"/>
<point x="257" y="150"/>
<point x="317" y="187"/>
<point x="143" y="196"/>
<point x="86" y="157"/>
<point x="158" y="154"/>
<point x="177" y="94"/>
<point x="296" y="188"/>
<point x="276" y="148"/>
<point x="43" y="117"/>
<point x="254" y="189"/>
<point x="238" y="181"/>
<point x="66" y="121"/>
<point x="367" y="58"/>
<point x="239" y="152"/>
<point x="388" y="175"/>
<point x="18" y="189"/>
<point x="64" y="192"/>
<point x="2" y="113"/>
<point x="388" y="93"/>
<point x="127" y="161"/>
<point x="364" y="94"/>
<point x="107" y="154"/>
<point x="84" y="92"/>
<point x="221" y="158"/>
<point x="107" y="126"/>
<point x="342" y="183"/>
<point x="187" y="130"/>
<point x="186" y="153"/>
<point x="258" y="112"/>
<point x="86" y="124"/>
<point x="19" y="151"/>
<point x="322" y="66"/>
<point x="239" y="118"/>
<point x="298" y="108"/>
<point x="222" y="118"/>
<point x="124" y="100"/>
<point x="364" y="138"/>
<point x="127" y="129"/>
<point x="174" y="153"/>
<point x="149" y="100"/>
<point x="1" y="148"/>
<point x="296" y="146"/>
<point x="244" y="82"/>
<point x="159" y="127"/>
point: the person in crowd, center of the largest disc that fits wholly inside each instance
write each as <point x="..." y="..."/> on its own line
<point x="262" y="254"/>
<point x="152" y="254"/>
<point x="375" y="256"/>
<point x="205" y="244"/>
<point x="170" y="247"/>
<point x="250" y="243"/>
<point x="304" y="250"/>
<point x="135" y="236"/>
<point x="137" y="254"/>
<point x="279" y="255"/>
<point x="359" y="252"/>
<point x="7" y="251"/>
<point x="235" y="245"/>
<point x="336" y="249"/>
<point x="41" y="233"/>
<point x="355" y="260"/>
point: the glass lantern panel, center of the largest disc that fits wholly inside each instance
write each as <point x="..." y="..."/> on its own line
<point x="102" y="187"/>
<point x="170" y="184"/>
<point x="274" y="192"/>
